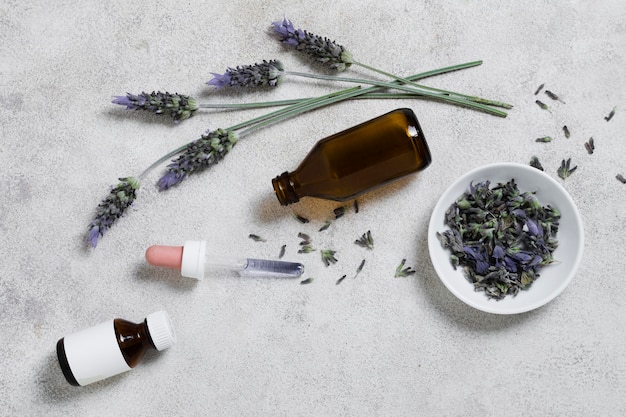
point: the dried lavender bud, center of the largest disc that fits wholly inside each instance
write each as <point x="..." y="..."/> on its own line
<point x="340" y="211"/>
<point x="178" y="106"/>
<point x="360" y="268"/>
<point x="112" y="207"/>
<point x="544" y="139"/>
<point x="267" y="73"/>
<point x="306" y="281"/>
<point x="325" y="226"/>
<point x="282" y="251"/>
<point x="356" y="206"/>
<point x="500" y="236"/>
<point x="256" y="238"/>
<point x="553" y="96"/>
<point x="301" y="219"/>
<point x="321" y="49"/>
<point x="542" y="105"/>
<point x="200" y="154"/>
<point x="328" y="256"/>
<point x="539" y="89"/>
<point x="566" y="132"/>
<point x="306" y="239"/>
<point x="534" y="162"/>
<point x="590" y="146"/>
<point x="306" y="249"/>
<point x="621" y="178"/>
<point x="611" y="114"/>
<point x="366" y="241"/>
<point x="401" y="271"/>
<point x="340" y="279"/>
<point x="564" y="170"/>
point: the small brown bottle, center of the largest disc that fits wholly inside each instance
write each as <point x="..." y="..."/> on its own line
<point x="360" y="159"/>
<point x="112" y="347"/>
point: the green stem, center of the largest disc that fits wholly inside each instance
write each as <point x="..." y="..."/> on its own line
<point x="436" y="96"/>
<point x="407" y="81"/>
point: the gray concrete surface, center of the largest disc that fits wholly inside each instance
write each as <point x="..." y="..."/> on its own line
<point x="374" y="345"/>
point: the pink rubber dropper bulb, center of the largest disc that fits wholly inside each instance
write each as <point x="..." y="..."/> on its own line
<point x="165" y="256"/>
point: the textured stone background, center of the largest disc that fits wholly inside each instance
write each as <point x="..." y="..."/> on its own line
<point x="372" y="346"/>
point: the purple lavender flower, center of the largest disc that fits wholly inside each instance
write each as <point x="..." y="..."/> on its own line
<point x="178" y="106"/>
<point x="202" y="153"/>
<point x="112" y="207"/>
<point x="322" y="49"/>
<point x="267" y="73"/>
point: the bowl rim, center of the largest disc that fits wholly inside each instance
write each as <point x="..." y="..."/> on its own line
<point x="443" y="203"/>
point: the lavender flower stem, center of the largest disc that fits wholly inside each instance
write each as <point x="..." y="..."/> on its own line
<point x="406" y="81"/>
<point x="436" y="96"/>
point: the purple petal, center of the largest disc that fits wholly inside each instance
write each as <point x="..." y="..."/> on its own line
<point x="169" y="179"/>
<point x="498" y="252"/>
<point x="219" y="80"/>
<point x="94" y="234"/>
<point x="124" y="101"/>
<point x="532" y="227"/>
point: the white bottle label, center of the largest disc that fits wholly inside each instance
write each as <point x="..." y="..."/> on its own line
<point x="93" y="354"/>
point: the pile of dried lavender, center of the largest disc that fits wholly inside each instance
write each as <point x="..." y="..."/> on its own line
<point x="501" y="237"/>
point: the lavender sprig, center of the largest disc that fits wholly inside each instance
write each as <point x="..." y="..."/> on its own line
<point x="202" y="153"/>
<point x="337" y="56"/>
<point x="112" y="207"/>
<point x="178" y="106"/>
<point x="267" y="73"/>
<point x="321" y="49"/>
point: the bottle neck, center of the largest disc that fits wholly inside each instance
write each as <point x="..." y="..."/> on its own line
<point x="285" y="189"/>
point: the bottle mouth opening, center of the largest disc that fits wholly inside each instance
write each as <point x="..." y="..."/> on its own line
<point x="283" y="188"/>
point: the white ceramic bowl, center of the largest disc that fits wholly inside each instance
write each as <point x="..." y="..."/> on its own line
<point x="553" y="278"/>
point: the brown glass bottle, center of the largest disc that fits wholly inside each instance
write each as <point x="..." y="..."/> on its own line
<point x="112" y="347"/>
<point x="360" y="159"/>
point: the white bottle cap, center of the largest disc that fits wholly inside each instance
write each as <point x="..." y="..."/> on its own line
<point x="194" y="254"/>
<point x="161" y="330"/>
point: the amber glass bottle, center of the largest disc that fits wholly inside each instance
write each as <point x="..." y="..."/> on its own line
<point x="112" y="347"/>
<point x="362" y="158"/>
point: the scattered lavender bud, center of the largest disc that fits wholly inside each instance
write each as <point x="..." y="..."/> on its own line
<point x="542" y="105"/>
<point x="566" y="132"/>
<point x="360" y="268"/>
<point x="202" y="153"/>
<point x="401" y="271"/>
<point x="306" y="239"/>
<point x="590" y="146"/>
<point x="366" y="241"/>
<point x="544" y="139"/>
<point x="301" y="219"/>
<point x="340" y="279"/>
<point x="306" y="249"/>
<point x="178" y="106"/>
<point x="539" y="89"/>
<point x="256" y="238"/>
<point x="325" y="226"/>
<point x="356" y="206"/>
<point x="282" y="251"/>
<point x="553" y="96"/>
<point x="267" y="73"/>
<point x="328" y="256"/>
<point x="621" y="178"/>
<point x="112" y="207"/>
<point x="564" y="171"/>
<point x="306" y="281"/>
<point x="534" y="162"/>
<point x="611" y="114"/>
<point x="340" y="211"/>
<point x="321" y="49"/>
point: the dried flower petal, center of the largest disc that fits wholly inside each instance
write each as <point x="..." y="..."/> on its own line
<point x="564" y="170"/>
<point x="340" y="279"/>
<point x="366" y="240"/>
<point x="112" y="207"/>
<point x="282" y="251"/>
<point x="590" y="146"/>
<point x="178" y="106"/>
<point x="621" y="178"/>
<point x="542" y="105"/>
<point x="534" y="162"/>
<point x="544" y="139"/>
<point x="322" y="49"/>
<point x="401" y="271"/>
<point x="328" y="256"/>
<point x="306" y="281"/>
<point x="200" y="154"/>
<point x="539" y="89"/>
<point x="256" y="238"/>
<point x="610" y="115"/>
<point x="566" y="132"/>
<point x="267" y="73"/>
